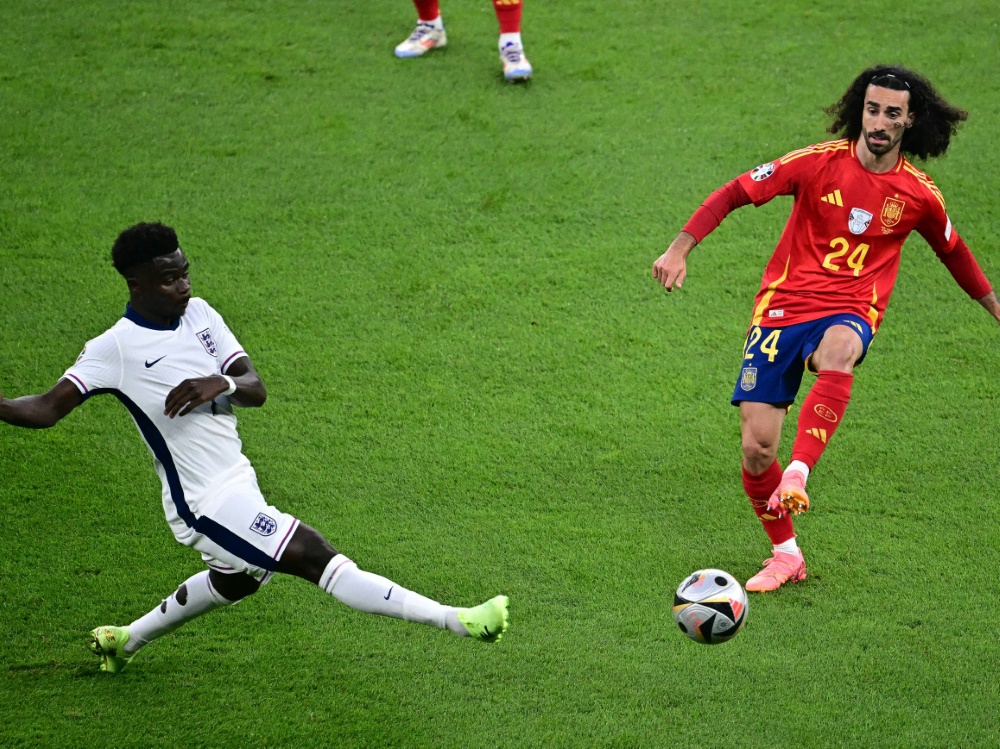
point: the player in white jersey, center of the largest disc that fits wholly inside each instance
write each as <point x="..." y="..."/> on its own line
<point x="173" y="362"/>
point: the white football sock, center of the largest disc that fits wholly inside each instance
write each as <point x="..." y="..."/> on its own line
<point x="798" y="465"/>
<point x="506" y="39"/>
<point x="374" y="594"/>
<point x="437" y="23"/>
<point x="787" y="547"/>
<point x="193" y="597"/>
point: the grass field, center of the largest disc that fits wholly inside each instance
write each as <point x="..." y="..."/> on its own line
<point x="474" y="385"/>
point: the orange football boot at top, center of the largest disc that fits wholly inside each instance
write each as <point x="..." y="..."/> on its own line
<point x="790" y="496"/>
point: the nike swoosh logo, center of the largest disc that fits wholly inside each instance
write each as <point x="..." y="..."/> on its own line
<point x="386" y="596"/>
<point x="151" y="363"/>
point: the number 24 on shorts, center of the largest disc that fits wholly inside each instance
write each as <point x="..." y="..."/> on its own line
<point x="769" y="346"/>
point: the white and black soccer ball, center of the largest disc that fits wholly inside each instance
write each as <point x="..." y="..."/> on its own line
<point x="710" y="606"/>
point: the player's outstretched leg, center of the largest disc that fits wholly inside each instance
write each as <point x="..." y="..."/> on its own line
<point x="779" y="569"/>
<point x="108" y="643"/>
<point x="374" y="594"/>
<point x="487" y="621"/>
<point x="194" y="597"/>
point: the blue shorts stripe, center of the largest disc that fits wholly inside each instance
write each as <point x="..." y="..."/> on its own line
<point x="234" y="544"/>
<point x="160" y="450"/>
<point x="207" y="527"/>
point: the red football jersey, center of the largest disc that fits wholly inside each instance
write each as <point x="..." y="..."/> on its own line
<point x="840" y="249"/>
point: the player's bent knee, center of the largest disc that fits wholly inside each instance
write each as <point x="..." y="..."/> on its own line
<point x="839" y="350"/>
<point x="757" y="456"/>
<point x="233" y="588"/>
<point x="307" y="554"/>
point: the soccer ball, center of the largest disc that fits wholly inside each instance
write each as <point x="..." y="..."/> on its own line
<point x="710" y="606"/>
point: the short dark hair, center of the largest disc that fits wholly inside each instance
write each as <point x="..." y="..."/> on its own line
<point x="934" y="119"/>
<point x="141" y="243"/>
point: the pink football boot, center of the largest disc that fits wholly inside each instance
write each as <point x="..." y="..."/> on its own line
<point x="780" y="569"/>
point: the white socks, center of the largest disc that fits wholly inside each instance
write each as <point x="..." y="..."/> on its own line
<point x="374" y="594"/>
<point x="506" y="39"/>
<point x="342" y="579"/>
<point x="798" y="465"/>
<point x="193" y="597"/>
<point x="787" y="547"/>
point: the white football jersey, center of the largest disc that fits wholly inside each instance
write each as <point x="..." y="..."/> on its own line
<point x="195" y="455"/>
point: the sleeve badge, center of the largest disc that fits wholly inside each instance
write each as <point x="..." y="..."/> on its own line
<point x="762" y="172"/>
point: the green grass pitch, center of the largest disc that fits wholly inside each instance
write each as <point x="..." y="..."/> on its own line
<point x="475" y="386"/>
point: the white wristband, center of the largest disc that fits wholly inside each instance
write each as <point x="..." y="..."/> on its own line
<point x="232" y="385"/>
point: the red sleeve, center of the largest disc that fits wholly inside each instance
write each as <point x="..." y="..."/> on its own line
<point x="716" y="207"/>
<point x="962" y="265"/>
<point x="782" y="176"/>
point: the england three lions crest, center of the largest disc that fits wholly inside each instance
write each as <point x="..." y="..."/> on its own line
<point x="205" y="336"/>
<point x="263" y="524"/>
<point x="892" y="212"/>
<point x="859" y="220"/>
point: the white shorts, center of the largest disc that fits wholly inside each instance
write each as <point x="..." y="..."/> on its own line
<point x="240" y="533"/>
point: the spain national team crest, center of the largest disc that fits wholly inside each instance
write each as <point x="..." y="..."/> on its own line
<point x="859" y="220"/>
<point x="748" y="380"/>
<point x="762" y="172"/>
<point x="205" y="336"/>
<point x="264" y="525"/>
<point x="892" y="212"/>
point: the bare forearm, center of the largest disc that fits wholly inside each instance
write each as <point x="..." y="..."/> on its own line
<point x="991" y="304"/>
<point x="31" y="411"/>
<point x="683" y="244"/>
<point x="250" y="392"/>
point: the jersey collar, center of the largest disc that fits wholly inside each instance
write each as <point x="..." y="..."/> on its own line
<point x="142" y="322"/>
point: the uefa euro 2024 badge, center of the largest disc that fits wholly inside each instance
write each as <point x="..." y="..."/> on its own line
<point x="762" y="172"/>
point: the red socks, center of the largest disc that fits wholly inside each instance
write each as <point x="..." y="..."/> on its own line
<point x="509" y="15"/>
<point x="821" y="413"/>
<point x="760" y="488"/>
<point x="427" y="10"/>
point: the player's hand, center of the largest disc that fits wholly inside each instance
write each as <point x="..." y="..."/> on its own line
<point x="192" y="393"/>
<point x="670" y="269"/>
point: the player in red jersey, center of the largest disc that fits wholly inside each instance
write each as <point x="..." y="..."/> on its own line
<point x="826" y="286"/>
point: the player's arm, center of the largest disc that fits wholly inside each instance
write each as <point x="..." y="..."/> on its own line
<point x="962" y="265"/>
<point x="197" y="391"/>
<point x="41" y="411"/>
<point x="991" y="304"/>
<point x="670" y="269"/>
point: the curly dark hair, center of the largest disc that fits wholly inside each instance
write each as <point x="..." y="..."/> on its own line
<point x="141" y="243"/>
<point x="934" y="122"/>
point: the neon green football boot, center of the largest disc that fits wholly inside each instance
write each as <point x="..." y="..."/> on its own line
<point x="109" y="644"/>
<point x="487" y="621"/>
